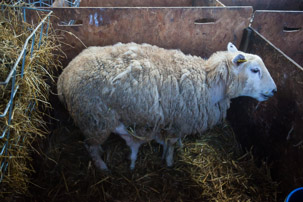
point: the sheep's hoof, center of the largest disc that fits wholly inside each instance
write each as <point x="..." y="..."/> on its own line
<point x="169" y="159"/>
<point x="170" y="165"/>
<point x="101" y="166"/>
<point x="132" y="166"/>
<point x="180" y="143"/>
<point x="164" y="154"/>
<point x="105" y="171"/>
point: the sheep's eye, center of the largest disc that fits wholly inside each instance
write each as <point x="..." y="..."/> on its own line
<point x="255" y="70"/>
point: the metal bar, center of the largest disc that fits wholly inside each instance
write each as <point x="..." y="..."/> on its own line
<point x="2" y="164"/>
<point x="23" y="49"/>
<point x="4" y="132"/>
<point x="9" y="116"/>
<point x="1" y="178"/>
<point x="47" y="26"/>
<point x="11" y="99"/>
<point x="3" y="167"/>
<point x="4" y="148"/>
<point x="24" y="15"/>
<point x="33" y="43"/>
<point x="246" y="37"/>
<point x="8" y="104"/>
<point x="28" y="8"/>
<point x="41" y="32"/>
<point x="220" y="3"/>
<point x="23" y="63"/>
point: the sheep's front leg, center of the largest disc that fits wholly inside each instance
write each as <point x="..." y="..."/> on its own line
<point x="165" y="147"/>
<point x="159" y="138"/>
<point x="94" y="151"/>
<point x="134" y="153"/>
<point x="170" y="151"/>
<point x="164" y="150"/>
<point x="180" y="143"/>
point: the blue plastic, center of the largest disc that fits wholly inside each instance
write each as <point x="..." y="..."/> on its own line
<point x="295" y="196"/>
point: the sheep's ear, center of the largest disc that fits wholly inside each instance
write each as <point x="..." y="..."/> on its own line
<point x="231" y="47"/>
<point x="239" y="59"/>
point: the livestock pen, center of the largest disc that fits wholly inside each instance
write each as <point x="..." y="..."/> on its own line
<point x="254" y="156"/>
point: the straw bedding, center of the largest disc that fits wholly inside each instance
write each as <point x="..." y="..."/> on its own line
<point x="211" y="167"/>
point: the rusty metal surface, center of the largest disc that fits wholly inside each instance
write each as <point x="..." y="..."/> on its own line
<point x="172" y="28"/>
<point x="267" y="4"/>
<point x="147" y="3"/>
<point x="135" y="3"/>
<point x="207" y="3"/>
<point x="274" y="128"/>
<point x="283" y="29"/>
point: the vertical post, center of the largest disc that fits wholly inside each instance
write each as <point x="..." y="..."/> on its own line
<point x="24" y="15"/>
<point x="33" y="43"/>
<point x="41" y="32"/>
<point x="23" y="63"/>
<point x="46" y="32"/>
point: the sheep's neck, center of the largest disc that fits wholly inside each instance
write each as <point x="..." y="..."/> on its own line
<point x="217" y="92"/>
<point x="217" y="79"/>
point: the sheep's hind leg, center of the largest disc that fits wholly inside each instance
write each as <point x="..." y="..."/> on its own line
<point x="133" y="143"/>
<point x="165" y="147"/>
<point x="94" y="151"/>
<point x="134" y="146"/>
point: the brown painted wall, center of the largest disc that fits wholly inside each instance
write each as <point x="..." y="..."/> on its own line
<point x="166" y="27"/>
<point x="283" y="29"/>
<point x="146" y="3"/>
<point x="267" y="4"/>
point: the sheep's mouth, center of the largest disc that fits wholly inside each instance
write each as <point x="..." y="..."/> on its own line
<point x="265" y="96"/>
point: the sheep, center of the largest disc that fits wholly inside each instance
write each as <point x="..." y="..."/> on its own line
<point x="60" y="3"/>
<point x="143" y="93"/>
<point x="65" y="3"/>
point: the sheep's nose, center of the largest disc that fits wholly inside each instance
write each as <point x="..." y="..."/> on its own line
<point x="274" y="91"/>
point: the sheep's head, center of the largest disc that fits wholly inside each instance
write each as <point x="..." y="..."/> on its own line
<point x="251" y="71"/>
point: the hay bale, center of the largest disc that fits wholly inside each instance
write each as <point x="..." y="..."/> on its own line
<point x="31" y="100"/>
<point x="211" y="167"/>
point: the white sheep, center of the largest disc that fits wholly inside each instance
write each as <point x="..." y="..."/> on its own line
<point x="65" y="3"/>
<point x="144" y="93"/>
<point x="60" y="3"/>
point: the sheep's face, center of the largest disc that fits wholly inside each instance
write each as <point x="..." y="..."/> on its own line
<point x="255" y="79"/>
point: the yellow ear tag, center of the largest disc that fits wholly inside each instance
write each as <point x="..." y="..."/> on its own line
<point x="241" y="61"/>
